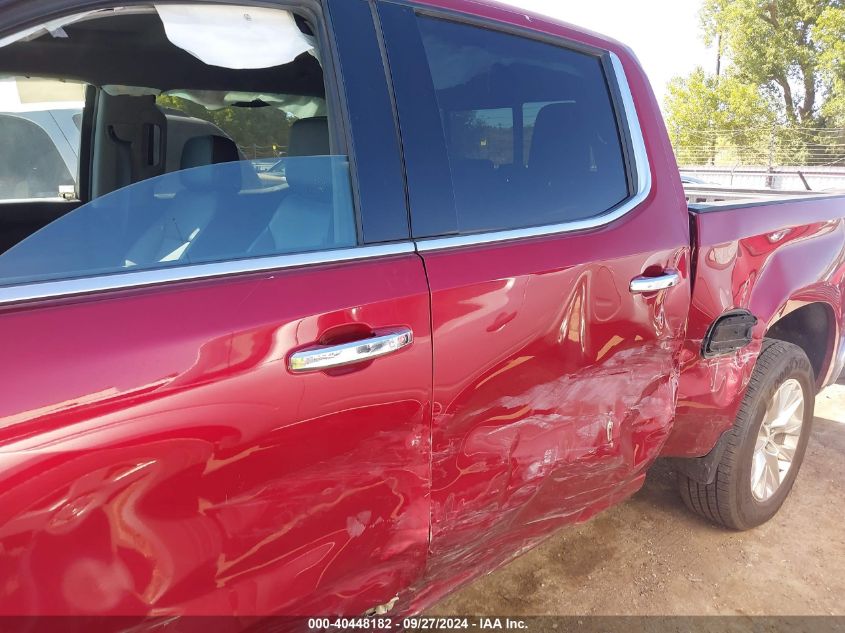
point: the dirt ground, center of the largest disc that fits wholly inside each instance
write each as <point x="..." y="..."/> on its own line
<point x="650" y="556"/>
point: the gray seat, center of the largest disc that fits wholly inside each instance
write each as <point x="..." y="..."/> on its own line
<point x="204" y="193"/>
<point x="561" y="161"/>
<point x="575" y="169"/>
<point x="305" y="219"/>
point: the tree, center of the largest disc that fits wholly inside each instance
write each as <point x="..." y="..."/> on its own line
<point x="260" y="132"/>
<point x="710" y="117"/>
<point x="831" y="36"/>
<point x="782" y="98"/>
<point x="783" y="46"/>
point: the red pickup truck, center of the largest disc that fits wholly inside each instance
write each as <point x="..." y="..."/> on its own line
<point x="428" y="289"/>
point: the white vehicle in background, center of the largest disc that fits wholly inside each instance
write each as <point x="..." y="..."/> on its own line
<point x="44" y="135"/>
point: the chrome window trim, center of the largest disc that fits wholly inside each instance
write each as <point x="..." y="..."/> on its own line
<point x="642" y="186"/>
<point x="144" y="278"/>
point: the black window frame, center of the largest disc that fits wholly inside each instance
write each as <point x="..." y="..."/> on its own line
<point x="403" y="43"/>
<point x="369" y="110"/>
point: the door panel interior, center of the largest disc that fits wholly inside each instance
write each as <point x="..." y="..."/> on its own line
<point x="19" y="220"/>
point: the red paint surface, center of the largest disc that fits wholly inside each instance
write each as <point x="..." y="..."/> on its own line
<point x="770" y="259"/>
<point x="156" y="457"/>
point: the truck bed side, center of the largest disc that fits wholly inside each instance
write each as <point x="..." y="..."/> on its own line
<point x="784" y="262"/>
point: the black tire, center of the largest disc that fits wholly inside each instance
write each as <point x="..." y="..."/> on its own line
<point x="729" y="501"/>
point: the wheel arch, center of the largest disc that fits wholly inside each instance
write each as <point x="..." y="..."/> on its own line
<point x="814" y="327"/>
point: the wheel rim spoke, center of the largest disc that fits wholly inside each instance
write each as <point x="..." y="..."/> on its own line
<point x="786" y="451"/>
<point x="772" y="473"/>
<point x="777" y="439"/>
<point x="758" y="473"/>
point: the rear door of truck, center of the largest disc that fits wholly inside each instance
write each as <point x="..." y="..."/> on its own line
<point x="557" y="252"/>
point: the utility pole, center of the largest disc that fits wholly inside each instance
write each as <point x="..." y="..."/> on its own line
<point x="770" y="178"/>
<point x="718" y="56"/>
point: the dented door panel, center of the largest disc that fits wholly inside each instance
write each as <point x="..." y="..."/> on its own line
<point x="769" y="259"/>
<point x="554" y="383"/>
<point x="554" y="387"/>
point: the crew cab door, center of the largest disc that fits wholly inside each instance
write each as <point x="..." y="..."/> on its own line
<point x="243" y="430"/>
<point x="558" y="261"/>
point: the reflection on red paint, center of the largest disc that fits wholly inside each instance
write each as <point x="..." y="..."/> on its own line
<point x="158" y="458"/>
<point x="175" y="466"/>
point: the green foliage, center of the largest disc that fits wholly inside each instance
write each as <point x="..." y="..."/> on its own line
<point x="782" y="94"/>
<point x="773" y="44"/>
<point x="711" y="118"/>
<point x="831" y="35"/>
<point x="260" y="132"/>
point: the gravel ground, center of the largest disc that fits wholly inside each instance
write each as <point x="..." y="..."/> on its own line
<point x="649" y="556"/>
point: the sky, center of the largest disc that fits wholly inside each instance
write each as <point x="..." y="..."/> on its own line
<point x="664" y="34"/>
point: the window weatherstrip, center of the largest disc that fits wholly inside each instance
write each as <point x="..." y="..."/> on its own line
<point x="143" y="278"/>
<point x="642" y="186"/>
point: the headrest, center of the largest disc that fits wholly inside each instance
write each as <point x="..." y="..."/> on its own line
<point x="202" y="151"/>
<point x="307" y="167"/>
<point x="560" y="140"/>
<point x="208" y="150"/>
<point x="309" y="137"/>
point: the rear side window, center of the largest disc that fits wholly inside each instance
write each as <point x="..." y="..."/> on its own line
<point x="531" y="134"/>
<point x="486" y="135"/>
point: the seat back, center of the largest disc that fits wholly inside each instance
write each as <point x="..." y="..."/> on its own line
<point x="305" y="219"/>
<point x="189" y="212"/>
<point x="560" y="155"/>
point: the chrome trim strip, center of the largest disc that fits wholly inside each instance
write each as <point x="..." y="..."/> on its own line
<point x="643" y="187"/>
<point x="323" y="357"/>
<point x="119" y="281"/>
<point x="634" y="129"/>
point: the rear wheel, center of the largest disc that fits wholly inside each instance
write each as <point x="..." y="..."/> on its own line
<point x="766" y="445"/>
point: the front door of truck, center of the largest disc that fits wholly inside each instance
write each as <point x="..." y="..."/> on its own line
<point x="216" y="381"/>
<point x="558" y="261"/>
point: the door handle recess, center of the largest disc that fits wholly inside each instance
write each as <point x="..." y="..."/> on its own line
<point x="329" y="356"/>
<point x="669" y="279"/>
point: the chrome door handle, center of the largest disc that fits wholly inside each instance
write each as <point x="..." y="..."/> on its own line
<point x="669" y="279"/>
<point x="328" y="356"/>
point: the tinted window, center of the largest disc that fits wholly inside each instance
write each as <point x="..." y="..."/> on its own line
<point x="482" y="135"/>
<point x="530" y="130"/>
<point x="219" y="212"/>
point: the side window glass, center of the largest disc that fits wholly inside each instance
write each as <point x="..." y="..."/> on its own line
<point x="531" y="133"/>
<point x="485" y="135"/>
<point x="210" y="155"/>
<point x="529" y="120"/>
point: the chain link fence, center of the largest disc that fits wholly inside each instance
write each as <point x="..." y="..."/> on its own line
<point x="770" y="147"/>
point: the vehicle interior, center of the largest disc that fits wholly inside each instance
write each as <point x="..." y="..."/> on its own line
<point x="522" y="128"/>
<point x="188" y="140"/>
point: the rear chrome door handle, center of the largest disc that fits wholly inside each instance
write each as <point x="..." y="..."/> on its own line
<point x="642" y="285"/>
<point x="329" y="356"/>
